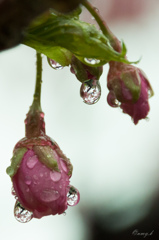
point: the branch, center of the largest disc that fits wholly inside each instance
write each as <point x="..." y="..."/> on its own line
<point x="15" y="16"/>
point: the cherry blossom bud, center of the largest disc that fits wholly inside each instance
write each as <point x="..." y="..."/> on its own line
<point x="129" y="89"/>
<point x="40" y="173"/>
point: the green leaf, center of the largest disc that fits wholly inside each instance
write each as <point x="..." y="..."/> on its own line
<point x="70" y="35"/>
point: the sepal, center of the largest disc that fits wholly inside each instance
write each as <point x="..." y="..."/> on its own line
<point x="15" y="161"/>
<point x="84" y="72"/>
<point x="47" y="157"/>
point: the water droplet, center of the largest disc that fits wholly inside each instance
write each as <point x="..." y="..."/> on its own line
<point x="73" y="196"/>
<point x="63" y="165"/>
<point x="49" y="195"/>
<point x="115" y="103"/>
<point x="55" y="176"/>
<point x="42" y="114"/>
<point x="35" y="177"/>
<point x="21" y="214"/>
<point x="28" y="182"/>
<point x="112" y="101"/>
<point x="64" y="213"/>
<point x="55" y="65"/>
<point x="96" y="9"/>
<point x="31" y="162"/>
<point x="13" y="191"/>
<point x="90" y="91"/>
<point x="150" y="93"/>
<point x="92" y="61"/>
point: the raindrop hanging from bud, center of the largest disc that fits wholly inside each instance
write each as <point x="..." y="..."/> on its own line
<point x="90" y="91"/>
<point x="13" y="193"/>
<point x="21" y="214"/>
<point x="55" y="65"/>
<point x="111" y="99"/>
<point x="92" y="61"/>
<point x="73" y="196"/>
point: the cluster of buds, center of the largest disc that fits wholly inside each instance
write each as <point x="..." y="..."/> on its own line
<point x="128" y="86"/>
<point x="129" y="89"/>
<point x="39" y="170"/>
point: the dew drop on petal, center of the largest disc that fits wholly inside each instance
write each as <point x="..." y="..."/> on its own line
<point x="31" y="162"/>
<point x="55" y="176"/>
<point x="73" y="196"/>
<point x="42" y="115"/>
<point x="92" y="61"/>
<point x="35" y="177"/>
<point x="116" y="103"/>
<point x="112" y="101"/>
<point x="90" y="92"/>
<point x="55" y="65"/>
<point x="21" y="214"/>
<point x="49" y="195"/>
<point x="28" y="182"/>
<point x="150" y="93"/>
<point x="64" y="213"/>
<point x="13" y="191"/>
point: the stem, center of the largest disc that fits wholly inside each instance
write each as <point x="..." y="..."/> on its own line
<point x="103" y="26"/>
<point x="34" y="123"/>
<point x="36" y="105"/>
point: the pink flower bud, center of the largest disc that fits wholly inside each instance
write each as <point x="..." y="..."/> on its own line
<point x="129" y="86"/>
<point x="41" y="173"/>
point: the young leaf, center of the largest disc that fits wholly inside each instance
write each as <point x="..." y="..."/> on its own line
<point x="82" y="39"/>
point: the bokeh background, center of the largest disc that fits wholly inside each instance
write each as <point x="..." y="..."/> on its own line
<point x="116" y="164"/>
